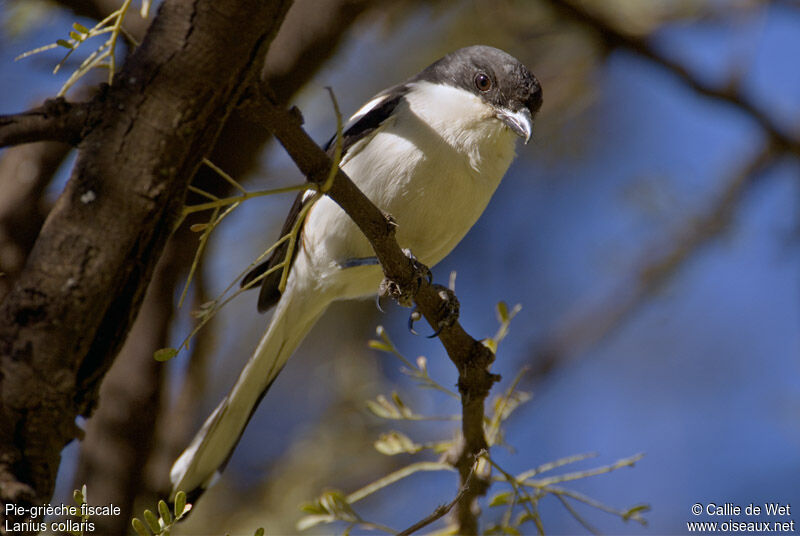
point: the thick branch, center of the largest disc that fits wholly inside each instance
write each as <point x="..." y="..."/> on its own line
<point x="71" y="308"/>
<point x="55" y="120"/>
<point x="471" y="357"/>
<point x="25" y="172"/>
<point x="308" y="37"/>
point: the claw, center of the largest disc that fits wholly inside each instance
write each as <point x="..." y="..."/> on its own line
<point x="413" y="317"/>
<point x="378" y="303"/>
<point x="437" y="332"/>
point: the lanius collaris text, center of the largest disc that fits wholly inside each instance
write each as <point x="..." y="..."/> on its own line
<point x="430" y="152"/>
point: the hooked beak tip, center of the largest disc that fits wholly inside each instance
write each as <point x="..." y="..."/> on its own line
<point x="520" y="122"/>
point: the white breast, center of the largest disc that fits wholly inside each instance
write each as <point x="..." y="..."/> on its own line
<point x="433" y="166"/>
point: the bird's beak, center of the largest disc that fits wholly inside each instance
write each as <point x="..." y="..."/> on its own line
<point x="520" y="122"/>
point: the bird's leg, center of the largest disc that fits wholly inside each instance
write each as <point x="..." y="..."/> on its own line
<point x="359" y="261"/>
<point x="448" y="311"/>
<point x="446" y="315"/>
<point x="405" y="296"/>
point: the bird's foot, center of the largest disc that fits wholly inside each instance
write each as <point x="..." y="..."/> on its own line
<point x="448" y="311"/>
<point x="446" y="315"/>
<point x="405" y="296"/>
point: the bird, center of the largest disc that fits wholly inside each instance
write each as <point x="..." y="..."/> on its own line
<point x="430" y="152"/>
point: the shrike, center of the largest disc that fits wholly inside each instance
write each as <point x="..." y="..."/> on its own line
<point x="430" y="152"/>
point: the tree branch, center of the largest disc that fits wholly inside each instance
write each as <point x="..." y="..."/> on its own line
<point x="308" y="37"/>
<point x="25" y="172"/>
<point x="71" y="308"/>
<point x="55" y="120"/>
<point x="471" y="357"/>
<point x="590" y="323"/>
<point x="613" y="37"/>
<point x="441" y="511"/>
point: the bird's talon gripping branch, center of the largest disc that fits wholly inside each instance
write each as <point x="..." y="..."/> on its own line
<point x="405" y="295"/>
<point x="476" y="102"/>
<point x="447" y="314"/>
<point x="448" y="311"/>
<point x="420" y="270"/>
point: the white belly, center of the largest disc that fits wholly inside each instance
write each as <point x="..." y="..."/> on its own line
<point x="434" y="187"/>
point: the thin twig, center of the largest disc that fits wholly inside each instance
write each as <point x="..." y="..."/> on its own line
<point x="441" y="510"/>
<point x="614" y="37"/>
<point x="594" y="320"/>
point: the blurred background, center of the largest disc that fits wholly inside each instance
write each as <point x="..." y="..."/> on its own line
<point x="650" y="231"/>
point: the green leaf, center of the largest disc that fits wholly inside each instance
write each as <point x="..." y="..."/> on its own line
<point x="502" y="312"/>
<point x="77" y="496"/>
<point x="180" y="504"/>
<point x="259" y="531"/>
<point x="163" y="511"/>
<point x="139" y="527"/>
<point x="165" y="354"/>
<point x="311" y="521"/>
<point x="336" y="503"/>
<point x="379" y="345"/>
<point x="501" y="529"/>
<point x="396" y="443"/>
<point x="152" y="521"/>
<point x="504" y="406"/>
<point x="634" y="512"/>
<point x="197" y="227"/>
<point x="76" y="36"/>
<point x="80" y="27"/>
<point x="382" y="408"/>
<point x="313" y="508"/>
<point x="501" y="498"/>
<point x="525" y="517"/>
<point x="65" y="44"/>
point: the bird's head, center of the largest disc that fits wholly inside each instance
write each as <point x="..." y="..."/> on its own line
<point x="502" y="82"/>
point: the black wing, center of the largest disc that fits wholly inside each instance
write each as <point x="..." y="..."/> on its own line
<point x="363" y="127"/>
<point x="269" y="294"/>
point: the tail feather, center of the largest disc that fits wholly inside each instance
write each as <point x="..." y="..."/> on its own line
<point x="203" y="460"/>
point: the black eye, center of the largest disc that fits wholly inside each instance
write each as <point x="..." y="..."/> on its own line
<point x="483" y="82"/>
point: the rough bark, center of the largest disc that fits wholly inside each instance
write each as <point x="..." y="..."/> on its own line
<point x="309" y="36"/>
<point x="25" y="172"/>
<point x="65" y="318"/>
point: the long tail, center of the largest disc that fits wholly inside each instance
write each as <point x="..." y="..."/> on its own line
<point x="205" y="458"/>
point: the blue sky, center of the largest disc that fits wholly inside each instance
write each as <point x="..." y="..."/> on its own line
<point x="702" y="377"/>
